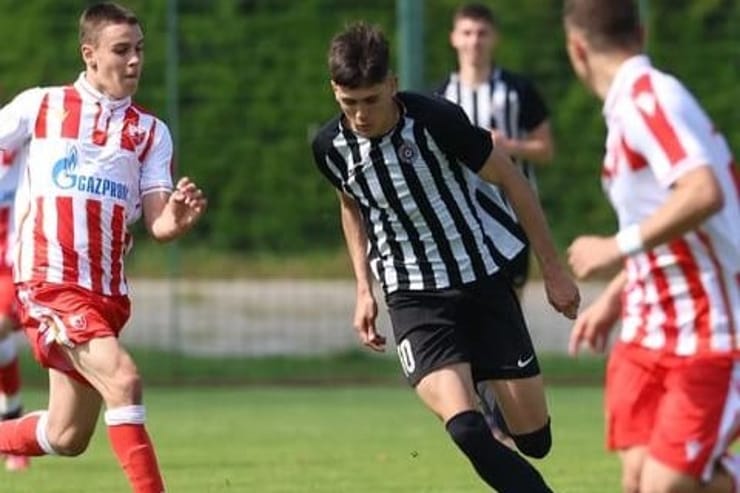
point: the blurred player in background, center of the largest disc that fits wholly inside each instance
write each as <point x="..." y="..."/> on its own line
<point x="402" y="164"/>
<point x="673" y="379"/>
<point x="11" y="406"/>
<point x="96" y="162"/>
<point x="510" y="107"/>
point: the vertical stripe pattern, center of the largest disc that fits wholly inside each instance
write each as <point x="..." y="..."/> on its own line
<point x="422" y="222"/>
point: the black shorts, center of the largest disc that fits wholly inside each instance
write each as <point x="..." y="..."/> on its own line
<point x="517" y="269"/>
<point x="479" y="323"/>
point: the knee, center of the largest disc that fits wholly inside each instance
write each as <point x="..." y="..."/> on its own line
<point x="536" y="444"/>
<point x="467" y="429"/>
<point x="124" y="387"/>
<point x="68" y="442"/>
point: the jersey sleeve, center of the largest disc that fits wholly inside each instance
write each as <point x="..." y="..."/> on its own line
<point x="16" y="119"/>
<point x="666" y="125"/>
<point x="534" y="109"/>
<point x="453" y="132"/>
<point x="325" y="159"/>
<point x="156" y="166"/>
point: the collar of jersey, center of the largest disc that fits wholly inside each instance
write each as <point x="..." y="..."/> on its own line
<point x="624" y="74"/>
<point x="494" y="75"/>
<point x="87" y="91"/>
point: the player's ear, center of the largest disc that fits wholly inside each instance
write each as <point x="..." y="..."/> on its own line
<point x="575" y="48"/>
<point x="88" y="56"/>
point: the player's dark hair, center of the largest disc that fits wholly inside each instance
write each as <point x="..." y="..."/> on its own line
<point x="359" y="56"/>
<point x="606" y="24"/>
<point x="96" y="16"/>
<point x="476" y="12"/>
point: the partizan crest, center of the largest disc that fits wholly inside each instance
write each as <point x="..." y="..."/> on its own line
<point x="407" y="152"/>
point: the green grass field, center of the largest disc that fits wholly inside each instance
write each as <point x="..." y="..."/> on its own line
<point x="318" y="439"/>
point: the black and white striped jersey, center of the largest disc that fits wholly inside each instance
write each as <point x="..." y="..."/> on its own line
<point x="507" y="102"/>
<point x="414" y="187"/>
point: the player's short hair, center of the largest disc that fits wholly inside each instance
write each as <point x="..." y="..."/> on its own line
<point x="359" y="56"/>
<point x="477" y="12"/>
<point x="101" y="14"/>
<point x="606" y="24"/>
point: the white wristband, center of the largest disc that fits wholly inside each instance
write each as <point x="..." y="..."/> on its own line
<point x="629" y="240"/>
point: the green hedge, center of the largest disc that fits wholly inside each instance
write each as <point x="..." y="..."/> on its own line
<point x="253" y="88"/>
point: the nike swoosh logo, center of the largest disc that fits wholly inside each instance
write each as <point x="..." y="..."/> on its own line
<point x="521" y="363"/>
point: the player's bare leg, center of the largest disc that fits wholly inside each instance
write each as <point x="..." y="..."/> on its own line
<point x="112" y="372"/>
<point x="656" y="477"/>
<point x="450" y="394"/>
<point x="632" y="460"/>
<point x="72" y="414"/>
<point x="524" y="408"/>
<point x="64" y="428"/>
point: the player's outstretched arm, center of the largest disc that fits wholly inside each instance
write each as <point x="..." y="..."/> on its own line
<point x="694" y="197"/>
<point x="366" y="308"/>
<point x="537" y="146"/>
<point x="561" y="290"/>
<point x="170" y="215"/>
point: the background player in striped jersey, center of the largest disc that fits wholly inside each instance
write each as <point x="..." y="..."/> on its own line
<point x="402" y="164"/>
<point x="11" y="406"/>
<point x="502" y="101"/>
<point x="96" y="162"/>
<point x="509" y="106"/>
<point x="673" y="378"/>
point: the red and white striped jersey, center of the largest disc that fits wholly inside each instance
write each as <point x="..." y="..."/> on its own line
<point x="11" y="163"/>
<point x="682" y="297"/>
<point x="90" y="161"/>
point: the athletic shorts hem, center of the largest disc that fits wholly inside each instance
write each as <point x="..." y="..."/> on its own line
<point x="414" y="380"/>
<point x="531" y="370"/>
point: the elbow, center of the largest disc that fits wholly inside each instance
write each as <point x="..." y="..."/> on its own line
<point x="714" y="200"/>
<point x="709" y="198"/>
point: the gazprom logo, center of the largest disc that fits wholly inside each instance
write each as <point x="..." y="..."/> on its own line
<point x="65" y="176"/>
<point x="63" y="170"/>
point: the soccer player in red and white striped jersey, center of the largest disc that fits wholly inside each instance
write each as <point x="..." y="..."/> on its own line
<point x="11" y="406"/>
<point x="96" y="163"/>
<point x="673" y="378"/>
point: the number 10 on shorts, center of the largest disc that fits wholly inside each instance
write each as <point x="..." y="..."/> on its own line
<point x="407" y="357"/>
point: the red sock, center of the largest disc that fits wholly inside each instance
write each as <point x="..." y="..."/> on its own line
<point x="136" y="455"/>
<point x="18" y="436"/>
<point x="10" y="378"/>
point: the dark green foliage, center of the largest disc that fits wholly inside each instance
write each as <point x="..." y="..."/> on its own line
<point x="253" y="89"/>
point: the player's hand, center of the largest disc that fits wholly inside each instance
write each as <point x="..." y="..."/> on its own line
<point x="502" y="142"/>
<point x="591" y="255"/>
<point x="366" y="312"/>
<point x="562" y="292"/>
<point x="188" y="203"/>
<point x="594" y="325"/>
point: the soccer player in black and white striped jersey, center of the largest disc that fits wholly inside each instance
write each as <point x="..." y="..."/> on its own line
<point x="510" y="107"/>
<point x="404" y="166"/>
<point x="499" y="100"/>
